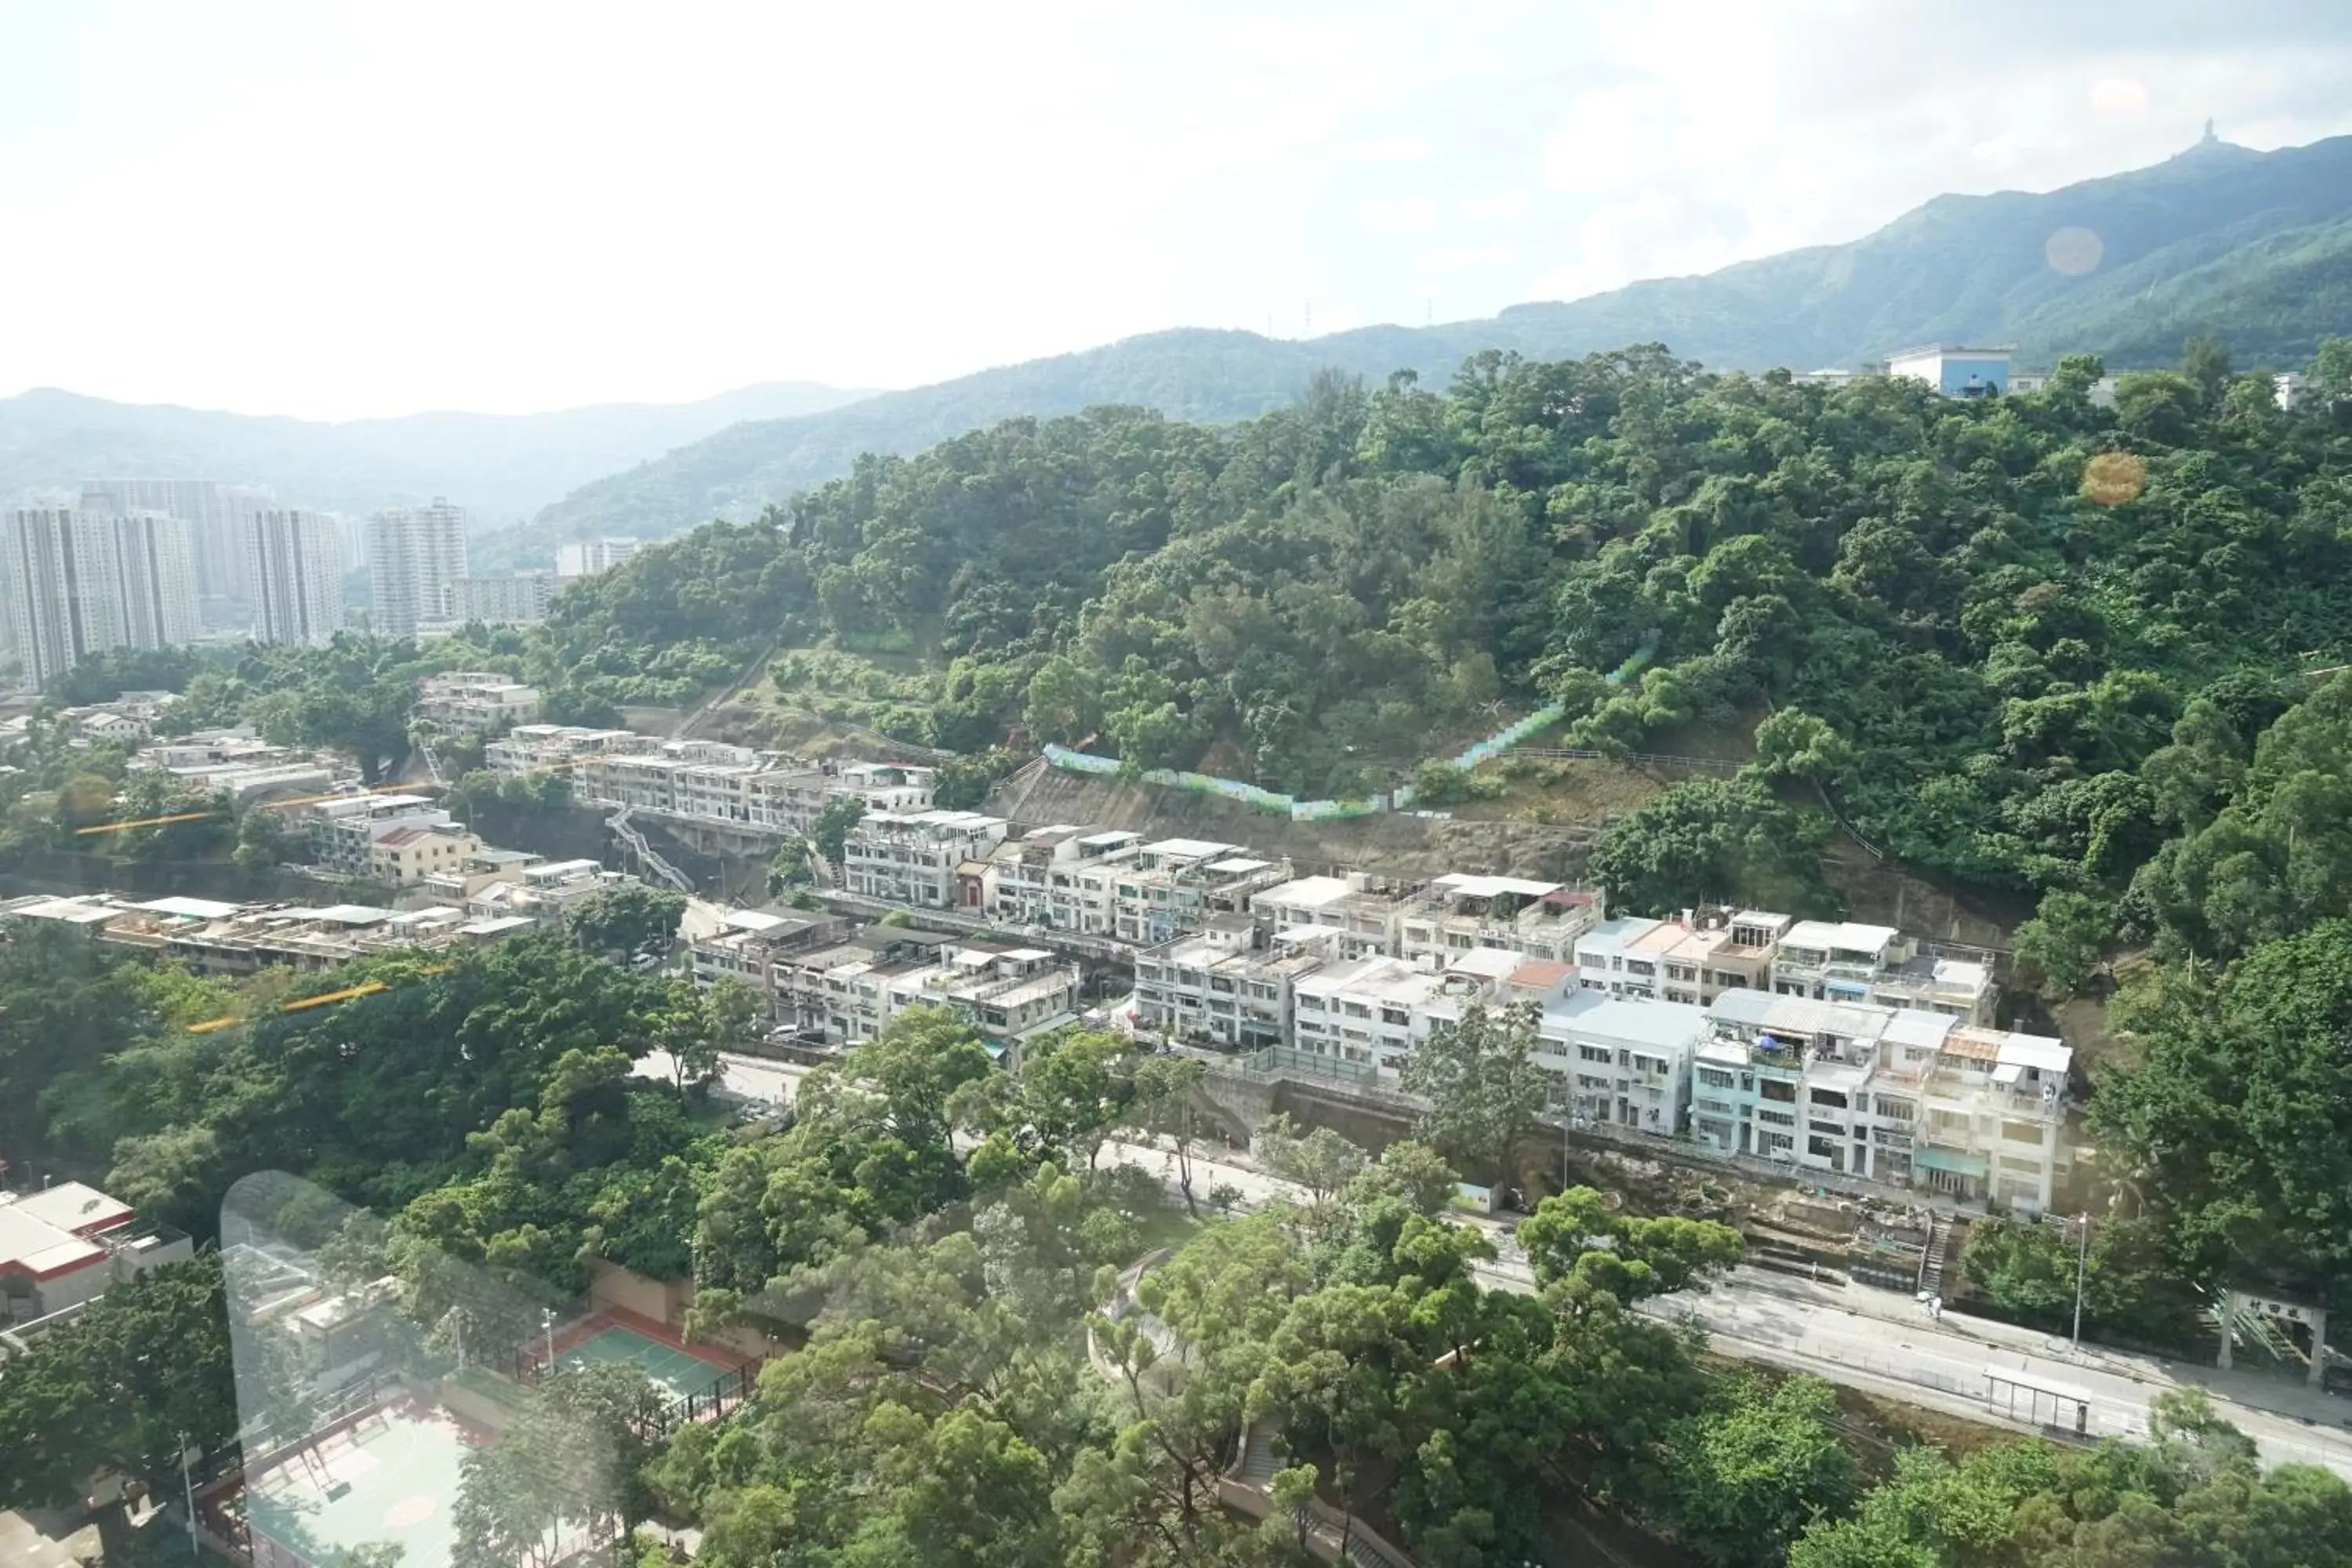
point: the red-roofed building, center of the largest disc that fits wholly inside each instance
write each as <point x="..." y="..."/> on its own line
<point x="66" y="1244"/>
<point x="413" y="851"/>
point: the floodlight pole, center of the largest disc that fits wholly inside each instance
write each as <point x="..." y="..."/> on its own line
<point x="188" y="1493"/>
<point x="547" y="1325"/>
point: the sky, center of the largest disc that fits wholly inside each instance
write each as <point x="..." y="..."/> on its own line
<point x="337" y="211"/>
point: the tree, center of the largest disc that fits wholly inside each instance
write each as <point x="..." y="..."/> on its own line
<point x="1744" y="1479"/>
<point x="2213" y="1115"/>
<point x="2027" y="1267"/>
<point x="263" y="840"/>
<point x="1076" y="1085"/>
<point x="2205" y="362"/>
<point x="789" y="867"/>
<point x="1793" y="743"/>
<point x="1713" y="841"/>
<point x="1574" y="1237"/>
<point x="1064" y="706"/>
<point x="2062" y="943"/>
<point x="830" y="831"/>
<point x="1482" y="1086"/>
<point x="117" y="1388"/>
<point x="732" y="1012"/>
<point x="1321" y="1161"/>
<point x="1166" y="1091"/>
<point x="625" y="919"/>
<point x="1413" y="1174"/>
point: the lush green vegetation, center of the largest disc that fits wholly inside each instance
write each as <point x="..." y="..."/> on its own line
<point x="960" y="1398"/>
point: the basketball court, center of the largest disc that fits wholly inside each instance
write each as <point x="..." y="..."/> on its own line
<point x="389" y="1475"/>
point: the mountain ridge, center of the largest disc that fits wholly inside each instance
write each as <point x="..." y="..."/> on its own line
<point x="2197" y="233"/>
<point x="498" y="464"/>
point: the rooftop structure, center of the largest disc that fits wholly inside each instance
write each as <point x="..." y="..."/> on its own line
<point x="475" y="700"/>
<point x="241" y="763"/>
<point x="1622" y="1063"/>
<point x="704" y="783"/>
<point x="63" y="1245"/>
<point x="1368" y="914"/>
<point x="587" y="557"/>
<point x="745" y="944"/>
<point x="1458" y="912"/>
<point x="849" y="991"/>
<point x="1954" y="372"/>
<point x="248" y="937"/>
<point x="920" y="857"/>
<point x="1842" y="961"/>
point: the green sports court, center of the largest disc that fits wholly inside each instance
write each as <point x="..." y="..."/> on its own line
<point x="676" y="1372"/>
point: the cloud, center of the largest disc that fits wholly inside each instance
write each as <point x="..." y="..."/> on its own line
<point x="366" y="220"/>
<point x="2119" y="95"/>
<point x="1385" y="150"/>
<point x="1448" y="261"/>
<point x="1412" y="214"/>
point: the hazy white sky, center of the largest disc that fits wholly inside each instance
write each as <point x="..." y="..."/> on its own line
<point x="336" y="210"/>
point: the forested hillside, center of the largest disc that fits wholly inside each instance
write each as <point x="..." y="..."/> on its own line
<point x="2246" y="247"/>
<point x="2052" y="652"/>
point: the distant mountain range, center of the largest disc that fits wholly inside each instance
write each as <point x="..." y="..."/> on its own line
<point x="2255" y="248"/>
<point x="503" y="466"/>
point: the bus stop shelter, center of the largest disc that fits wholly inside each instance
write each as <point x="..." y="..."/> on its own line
<point x="2047" y="1403"/>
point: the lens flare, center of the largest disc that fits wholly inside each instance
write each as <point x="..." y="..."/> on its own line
<point x="2074" y="251"/>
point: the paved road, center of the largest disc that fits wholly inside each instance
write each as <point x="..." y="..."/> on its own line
<point x="752" y="1080"/>
<point x="1883" y="1343"/>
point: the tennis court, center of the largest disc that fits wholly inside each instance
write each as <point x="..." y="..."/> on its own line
<point x="678" y="1373"/>
<point x="390" y="1475"/>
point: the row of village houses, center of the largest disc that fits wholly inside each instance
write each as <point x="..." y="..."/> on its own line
<point x="1829" y="1046"/>
<point x="1872" y="1057"/>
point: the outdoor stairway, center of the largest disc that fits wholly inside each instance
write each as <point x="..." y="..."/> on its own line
<point x="1939" y="1241"/>
<point x="628" y="833"/>
<point x="1331" y="1536"/>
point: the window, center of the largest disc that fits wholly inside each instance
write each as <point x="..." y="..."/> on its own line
<point x="1596" y="1054"/>
<point x="1309" y="1002"/>
<point x="1832" y="1097"/>
<point x="1777" y="1089"/>
<point x="1714" y="1077"/>
<point x="1893" y="1109"/>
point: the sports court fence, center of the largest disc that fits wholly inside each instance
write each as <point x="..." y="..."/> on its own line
<point x="728" y="1388"/>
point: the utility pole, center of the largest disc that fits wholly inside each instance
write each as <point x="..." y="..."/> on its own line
<point x="547" y="1325"/>
<point x="2082" y="1263"/>
<point x="188" y="1493"/>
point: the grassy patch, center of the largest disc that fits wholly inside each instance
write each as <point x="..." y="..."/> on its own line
<point x="1170" y="1227"/>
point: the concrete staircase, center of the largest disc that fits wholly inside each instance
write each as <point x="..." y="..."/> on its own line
<point x="1332" y="1536"/>
<point x="1939" y="1245"/>
<point x="652" y="863"/>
